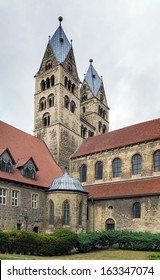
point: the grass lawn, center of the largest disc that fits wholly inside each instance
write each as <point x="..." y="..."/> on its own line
<point x="109" y="254"/>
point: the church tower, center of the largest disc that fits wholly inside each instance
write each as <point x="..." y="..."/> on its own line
<point x="94" y="106"/>
<point x="57" y="99"/>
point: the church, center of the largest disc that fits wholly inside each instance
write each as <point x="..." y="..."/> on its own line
<point x="73" y="172"/>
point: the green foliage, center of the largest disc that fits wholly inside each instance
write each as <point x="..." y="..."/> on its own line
<point x="123" y="239"/>
<point x="61" y="242"/>
<point x="24" y="242"/>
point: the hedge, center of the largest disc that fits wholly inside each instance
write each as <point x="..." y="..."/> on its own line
<point x="123" y="239"/>
<point x="25" y="242"/>
<point x="62" y="242"/>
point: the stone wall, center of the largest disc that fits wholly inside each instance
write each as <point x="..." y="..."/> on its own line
<point x="74" y="198"/>
<point x="121" y="211"/>
<point x="146" y="150"/>
<point x="10" y="215"/>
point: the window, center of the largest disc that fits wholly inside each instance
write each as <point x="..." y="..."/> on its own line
<point x="83" y="173"/>
<point x="116" y="167"/>
<point x="66" y="102"/>
<point x="48" y="82"/>
<point x="99" y="170"/>
<point x="66" y="213"/>
<point x="42" y="104"/>
<point x="15" y="197"/>
<point x="6" y="163"/>
<point x="83" y="131"/>
<point x="50" y="100"/>
<point x="48" y="65"/>
<point x="19" y="226"/>
<point x="46" y="119"/>
<point x="99" y="126"/>
<point x="73" y="88"/>
<point x="80" y="213"/>
<point x="136" y="164"/>
<point x="65" y="82"/>
<point x="52" y="80"/>
<point x="29" y="171"/>
<point x="43" y="85"/>
<point x="156" y="158"/>
<point x="136" y="210"/>
<point x="73" y="106"/>
<point x="104" y="128"/>
<point x="34" y="201"/>
<point x="110" y="224"/>
<point x="3" y="196"/>
<point x="51" y="213"/>
<point x="69" y="85"/>
<point x="84" y="97"/>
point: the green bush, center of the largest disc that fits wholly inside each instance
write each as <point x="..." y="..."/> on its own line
<point x="66" y="241"/>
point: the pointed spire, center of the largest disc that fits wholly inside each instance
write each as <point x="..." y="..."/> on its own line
<point x="60" y="44"/>
<point x="92" y="78"/>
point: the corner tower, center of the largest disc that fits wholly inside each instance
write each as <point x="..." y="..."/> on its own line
<point x="57" y="99"/>
<point x="94" y="106"/>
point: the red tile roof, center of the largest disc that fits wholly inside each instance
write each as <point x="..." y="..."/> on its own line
<point x="22" y="145"/>
<point x="124" y="189"/>
<point x="130" y="135"/>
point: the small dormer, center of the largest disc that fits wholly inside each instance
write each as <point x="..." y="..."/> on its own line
<point x="28" y="168"/>
<point x="6" y="161"/>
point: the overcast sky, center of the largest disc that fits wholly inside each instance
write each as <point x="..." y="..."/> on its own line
<point x="121" y="36"/>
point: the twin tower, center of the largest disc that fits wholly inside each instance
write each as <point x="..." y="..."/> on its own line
<point x="66" y="111"/>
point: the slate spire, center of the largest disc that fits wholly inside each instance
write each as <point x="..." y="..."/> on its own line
<point x="60" y="44"/>
<point x="93" y="80"/>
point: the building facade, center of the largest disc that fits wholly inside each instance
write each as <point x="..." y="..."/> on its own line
<point x="114" y="180"/>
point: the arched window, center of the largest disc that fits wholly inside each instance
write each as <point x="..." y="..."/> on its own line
<point x="43" y="85"/>
<point x="52" y="80"/>
<point x="104" y="114"/>
<point x="51" y="213"/>
<point x="110" y="224"/>
<point x="84" y="97"/>
<point x="136" y="210"/>
<point x="69" y="85"/>
<point x="73" y="106"/>
<point x="50" y="100"/>
<point x="46" y="119"/>
<point x="66" y="213"/>
<point x="65" y="82"/>
<point x="104" y="128"/>
<point x="73" y="88"/>
<point x="48" y="65"/>
<point x="80" y="213"/>
<point x="83" y="173"/>
<point x="48" y="82"/>
<point x="98" y="170"/>
<point x="116" y="167"/>
<point x="66" y="102"/>
<point x="136" y="164"/>
<point x="99" y="126"/>
<point x="83" y="131"/>
<point x="156" y="159"/>
<point x="42" y="104"/>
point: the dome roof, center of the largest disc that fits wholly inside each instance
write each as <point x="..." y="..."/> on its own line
<point x="66" y="182"/>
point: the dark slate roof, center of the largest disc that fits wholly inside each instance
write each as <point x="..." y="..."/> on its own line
<point x="66" y="183"/>
<point x="93" y="80"/>
<point x="60" y="45"/>
<point x="119" y="138"/>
